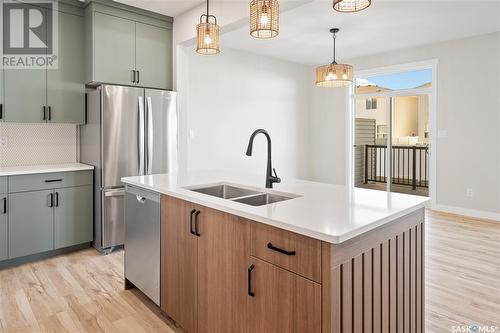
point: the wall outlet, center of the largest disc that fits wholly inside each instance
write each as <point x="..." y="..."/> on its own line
<point x="4" y="141"/>
<point x="469" y="192"/>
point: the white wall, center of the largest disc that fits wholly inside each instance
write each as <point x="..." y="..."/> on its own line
<point x="226" y="97"/>
<point x="468" y="118"/>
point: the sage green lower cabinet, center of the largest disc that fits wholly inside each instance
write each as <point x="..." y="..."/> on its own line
<point x="73" y="216"/>
<point x="4" y="242"/>
<point x="31" y="223"/>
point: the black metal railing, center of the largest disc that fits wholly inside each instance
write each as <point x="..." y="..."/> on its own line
<point x="409" y="165"/>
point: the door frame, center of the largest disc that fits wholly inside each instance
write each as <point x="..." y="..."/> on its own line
<point x="431" y="92"/>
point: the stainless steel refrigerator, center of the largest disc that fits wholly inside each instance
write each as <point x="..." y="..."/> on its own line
<point x="128" y="131"/>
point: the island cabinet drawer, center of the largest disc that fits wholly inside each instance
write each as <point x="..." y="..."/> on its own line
<point x="288" y="250"/>
<point x="45" y="181"/>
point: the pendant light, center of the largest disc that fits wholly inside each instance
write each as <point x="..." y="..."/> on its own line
<point x="334" y="74"/>
<point x="351" y="6"/>
<point x="207" y="34"/>
<point x="264" y="18"/>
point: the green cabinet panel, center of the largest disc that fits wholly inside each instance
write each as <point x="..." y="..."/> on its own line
<point x="73" y="216"/>
<point x="114" y="49"/>
<point x="45" y="181"/>
<point x="4" y="242"/>
<point x="154" y="56"/>
<point x="31" y="223"/>
<point x="3" y="184"/>
<point x="25" y="93"/>
<point x="65" y="85"/>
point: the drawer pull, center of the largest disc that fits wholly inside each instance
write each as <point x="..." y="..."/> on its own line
<point x="277" y="249"/>
<point x="4" y="205"/>
<point x="250" y="292"/>
<point x="53" y="180"/>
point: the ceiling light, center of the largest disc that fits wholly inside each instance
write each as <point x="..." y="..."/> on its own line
<point x="264" y="18"/>
<point x="350" y="6"/>
<point x="334" y="74"/>
<point x="207" y="33"/>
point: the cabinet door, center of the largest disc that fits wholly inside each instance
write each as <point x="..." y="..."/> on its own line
<point x="223" y="250"/>
<point x="65" y="85"/>
<point x="178" y="263"/>
<point x="154" y="56"/>
<point x="282" y="301"/>
<point x="114" y="49"/>
<point x="25" y="93"/>
<point x="31" y="223"/>
<point x="73" y="216"/>
<point x="4" y="249"/>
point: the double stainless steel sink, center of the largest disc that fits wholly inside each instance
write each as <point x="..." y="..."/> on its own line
<point x="241" y="194"/>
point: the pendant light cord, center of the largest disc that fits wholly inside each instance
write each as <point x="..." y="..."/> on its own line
<point x="334" y="38"/>
<point x="208" y="14"/>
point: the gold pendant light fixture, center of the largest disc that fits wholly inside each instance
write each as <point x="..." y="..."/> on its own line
<point x="334" y="74"/>
<point x="350" y="6"/>
<point x="207" y="33"/>
<point x="264" y="18"/>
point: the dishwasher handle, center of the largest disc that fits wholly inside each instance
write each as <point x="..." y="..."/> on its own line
<point x="140" y="199"/>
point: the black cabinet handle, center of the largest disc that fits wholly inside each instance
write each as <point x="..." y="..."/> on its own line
<point x="51" y="200"/>
<point x="44" y="113"/>
<point x="4" y="205"/>
<point x="191" y="230"/>
<point x="250" y="292"/>
<point x="50" y="113"/>
<point x="196" y="230"/>
<point x="57" y="199"/>
<point x="1" y="111"/>
<point x="53" y="180"/>
<point x="133" y="76"/>
<point x="138" y="76"/>
<point x="277" y="249"/>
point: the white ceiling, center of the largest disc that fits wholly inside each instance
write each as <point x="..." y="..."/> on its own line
<point x="165" y="7"/>
<point x="386" y="25"/>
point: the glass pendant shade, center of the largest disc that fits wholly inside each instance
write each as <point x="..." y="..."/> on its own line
<point x="333" y="75"/>
<point x="264" y="18"/>
<point x="207" y="41"/>
<point x="350" y="6"/>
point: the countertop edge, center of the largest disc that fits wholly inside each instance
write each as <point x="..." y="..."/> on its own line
<point x="40" y="169"/>
<point x="293" y="228"/>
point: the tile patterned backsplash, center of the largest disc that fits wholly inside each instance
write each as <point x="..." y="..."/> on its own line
<point x="32" y="144"/>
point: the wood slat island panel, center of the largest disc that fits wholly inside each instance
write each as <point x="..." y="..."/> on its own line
<point x="377" y="286"/>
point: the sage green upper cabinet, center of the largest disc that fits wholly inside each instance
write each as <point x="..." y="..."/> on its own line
<point x="65" y="85"/>
<point x="31" y="228"/>
<point x="153" y="56"/>
<point x="114" y="49"/>
<point x="51" y="94"/>
<point x="25" y="92"/>
<point x="128" y="46"/>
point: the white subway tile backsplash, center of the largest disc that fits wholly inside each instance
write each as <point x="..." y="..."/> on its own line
<point x="33" y="144"/>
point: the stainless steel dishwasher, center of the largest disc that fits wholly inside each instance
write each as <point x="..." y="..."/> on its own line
<point x="142" y="241"/>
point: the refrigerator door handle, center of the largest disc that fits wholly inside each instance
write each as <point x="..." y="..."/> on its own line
<point x="140" y="139"/>
<point x="149" y="162"/>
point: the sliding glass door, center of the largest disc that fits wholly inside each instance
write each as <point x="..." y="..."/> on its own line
<point x="391" y="133"/>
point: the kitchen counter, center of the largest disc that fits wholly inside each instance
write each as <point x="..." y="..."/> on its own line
<point x="48" y="168"/>
<point x="331" y="213"/>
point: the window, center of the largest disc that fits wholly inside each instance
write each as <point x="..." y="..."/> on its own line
<point x="371" y="103"/>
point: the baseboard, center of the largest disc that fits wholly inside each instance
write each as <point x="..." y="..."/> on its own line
<point x="481" y="214"/>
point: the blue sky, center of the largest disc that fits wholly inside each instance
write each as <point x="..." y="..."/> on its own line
<point x="405" y="80"/>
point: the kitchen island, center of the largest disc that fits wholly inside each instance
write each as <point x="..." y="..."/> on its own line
<point x="324" y="259"/>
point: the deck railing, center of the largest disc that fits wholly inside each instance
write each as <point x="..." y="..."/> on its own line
<point x="410" y="165"/>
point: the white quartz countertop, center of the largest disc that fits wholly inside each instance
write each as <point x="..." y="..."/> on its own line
<point x="48" y="168"/>
<point x="331" y="213"/>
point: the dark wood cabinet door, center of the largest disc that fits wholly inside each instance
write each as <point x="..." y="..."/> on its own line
<point x="282" y="301"/>
<point x="223" y="250"/>
<point x="178" y="263"/>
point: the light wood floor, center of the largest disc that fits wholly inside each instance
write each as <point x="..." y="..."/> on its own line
<point x="83" y="291"/>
